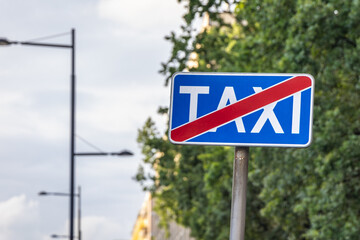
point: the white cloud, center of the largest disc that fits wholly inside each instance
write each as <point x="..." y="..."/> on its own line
<point x="142" y="14"/>
<point x="19" y="215"/>
<point x="20" y="118"/>
<point x="123" y="110"/>
<point x="95" y="227"/>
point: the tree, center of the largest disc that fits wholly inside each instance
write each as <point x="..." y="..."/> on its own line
<point x="310" y="193"/>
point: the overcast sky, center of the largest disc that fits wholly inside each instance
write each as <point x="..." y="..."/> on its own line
<point x="119" y="47"/>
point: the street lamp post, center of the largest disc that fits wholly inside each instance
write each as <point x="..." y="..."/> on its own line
<point x="4" y="42"/>
<point x="78" y="195"/>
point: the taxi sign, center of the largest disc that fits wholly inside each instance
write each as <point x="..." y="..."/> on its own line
<point x="241" y="109"/>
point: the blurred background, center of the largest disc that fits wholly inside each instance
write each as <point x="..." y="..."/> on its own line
<point x="119" y="48"/>
<point x="305" y="193"/>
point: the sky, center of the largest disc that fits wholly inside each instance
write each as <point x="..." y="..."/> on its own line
<point x="119" y="49"/>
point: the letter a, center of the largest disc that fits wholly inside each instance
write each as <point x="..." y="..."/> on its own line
<point x="268" y="113"/>
<point x="229" y="95"/>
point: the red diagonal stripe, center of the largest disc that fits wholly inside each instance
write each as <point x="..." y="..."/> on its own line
<point x="240" y="108"/>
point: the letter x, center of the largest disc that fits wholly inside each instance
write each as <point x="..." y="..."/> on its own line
<point x="268" y="113"/>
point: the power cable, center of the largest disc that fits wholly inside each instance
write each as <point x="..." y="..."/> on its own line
<point x="48" y="37"/>
<point x="89" y="144"/>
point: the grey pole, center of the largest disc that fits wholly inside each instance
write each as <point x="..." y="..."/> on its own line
<point x="79" y="213"/>
<point x="72" y="137"/>
<point x="238" y="204"/>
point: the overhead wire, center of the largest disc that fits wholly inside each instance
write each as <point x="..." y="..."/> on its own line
<point x="48" y="37"/>
<point x="89" y="144"/>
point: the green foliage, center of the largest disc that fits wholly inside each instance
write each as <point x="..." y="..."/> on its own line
<point x="308" y="193"/>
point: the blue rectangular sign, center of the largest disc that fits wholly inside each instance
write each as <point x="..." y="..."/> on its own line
<point x="241" y="109"/>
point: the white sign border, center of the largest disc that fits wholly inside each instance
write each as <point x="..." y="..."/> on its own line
<point x="244" y="144"/>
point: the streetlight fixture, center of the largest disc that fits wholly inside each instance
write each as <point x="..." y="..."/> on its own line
<point x="121" y="153"/>
<point x="59" y="236"/>
<point x="6" y="42"/>
<point x="44" y="193"/>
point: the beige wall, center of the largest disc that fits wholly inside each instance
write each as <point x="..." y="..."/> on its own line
<point x="147" y="227"/>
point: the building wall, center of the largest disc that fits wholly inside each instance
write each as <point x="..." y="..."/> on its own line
<point x="147" y="225"/>
<point x="142" y="226"/>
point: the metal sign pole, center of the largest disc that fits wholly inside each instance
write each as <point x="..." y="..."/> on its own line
<point x="238" y="204"/>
